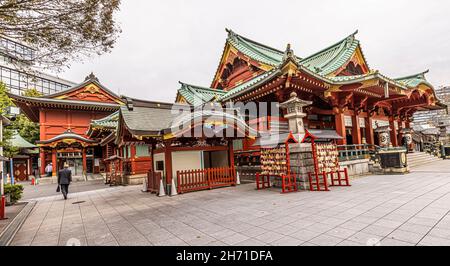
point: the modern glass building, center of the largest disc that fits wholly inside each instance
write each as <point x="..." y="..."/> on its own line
<point x="433" y="118"/>
<point x="14" y="59"/>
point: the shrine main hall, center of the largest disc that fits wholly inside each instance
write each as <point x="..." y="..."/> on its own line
<point x="346" y="94"/>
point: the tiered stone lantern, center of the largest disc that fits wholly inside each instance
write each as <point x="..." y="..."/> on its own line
<point x="295" y="114"/>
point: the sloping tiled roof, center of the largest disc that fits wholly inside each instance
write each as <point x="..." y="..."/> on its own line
<point x="256" y="51"/>
<point x="148" y="120"/>
<point x="18" y="141"/>
<point x="242" y="87"/>
<point x="196" y="95"/>
<point x="414" y="80"/>
<point x="332" y="58"/>
<point x="110" y="121"/>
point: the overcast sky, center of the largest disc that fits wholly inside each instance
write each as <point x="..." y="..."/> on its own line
<point x="167" y="41"/>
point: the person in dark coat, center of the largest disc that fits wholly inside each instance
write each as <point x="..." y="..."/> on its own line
<point x="64" y="179"/>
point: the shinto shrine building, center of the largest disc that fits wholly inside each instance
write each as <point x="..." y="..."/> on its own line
<point x="97" y="131"/>
<point x="347" y="95"/>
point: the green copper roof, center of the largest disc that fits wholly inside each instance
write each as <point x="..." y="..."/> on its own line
<point x="242" y="87"/>
<point x="332" y="58"/>
<point x="414" y="80"/>
<point x="111" y="121"/>
<point x="196" y="95"/>
<point x="19" y="142"/>
<point x="255" y="50"/>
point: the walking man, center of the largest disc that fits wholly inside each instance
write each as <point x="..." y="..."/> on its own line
<point x="64" y="179"/>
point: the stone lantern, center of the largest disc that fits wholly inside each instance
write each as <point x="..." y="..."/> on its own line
<point x="384" y="136"/>
<point x="295" y="114"/>
<point x="407" y="135"/>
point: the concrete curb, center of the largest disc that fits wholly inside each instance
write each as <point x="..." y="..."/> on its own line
<point x="13" y="227"/>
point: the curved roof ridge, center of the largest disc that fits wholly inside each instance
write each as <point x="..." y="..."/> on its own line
<point x="255" y="50"/>
<point x="331" y="46"/>
<point x="231" y="32"/>
<point x="201" y="87"/>
<point x="328" y="60"/>
<point x="421" y="75"/>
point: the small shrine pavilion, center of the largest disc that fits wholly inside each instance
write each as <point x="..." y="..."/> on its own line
<point x="64" y="120"/>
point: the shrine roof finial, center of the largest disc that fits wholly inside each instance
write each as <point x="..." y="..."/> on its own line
<point x="91" y="77"/>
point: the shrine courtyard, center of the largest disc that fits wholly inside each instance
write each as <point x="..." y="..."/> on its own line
<point x="412" y="209"/>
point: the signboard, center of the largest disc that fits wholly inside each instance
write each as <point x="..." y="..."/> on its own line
<point x="381" y="123"/>
<point x="362" y="122"/>
<point x="96" y="162"/>
<point x="348" y="121"/>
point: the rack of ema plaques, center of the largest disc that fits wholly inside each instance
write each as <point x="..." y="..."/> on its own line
<point x="327" y="172"/>
<point x="276" y="167"/>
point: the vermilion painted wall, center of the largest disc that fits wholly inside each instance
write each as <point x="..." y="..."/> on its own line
<point x="54" y="122"/>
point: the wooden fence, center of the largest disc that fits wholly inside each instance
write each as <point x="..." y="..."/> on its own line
<point x="201" y="179"/>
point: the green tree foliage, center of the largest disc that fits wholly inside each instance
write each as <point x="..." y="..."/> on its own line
<point x="5" y="103"/>
<point x="61" y="30"/>
<point x="26" y="128"/>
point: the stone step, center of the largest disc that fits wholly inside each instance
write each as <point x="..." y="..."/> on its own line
<point x="420" y="158"/>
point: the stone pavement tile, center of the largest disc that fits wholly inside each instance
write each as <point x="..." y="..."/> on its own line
<point x="241" y="227"/>
<point x="141" y="241"/>
<point x="287" y="241"/>
<point x="309" y="244"/>
<point x="305" y="234"/>
<point x="217" y="243"/>
<point x="364" y="238"/>
<point x="320" y="227"/>
<point x="348" y="243"/>
<point x="434" y="241"/>
<point x="173" y="241"/>
<point x="326" y="240"/>
<point x="415" y="228"/>
<point x="190" y="235"/>
<point x="251" y="242"/>
<point x="301" y="224"/>
<point x="234" y="239"/>
<point x="270" y="225"/>
<point x="341" y="232"/>
<point x="269" y="237"/>
<point x="364" y="219"/>
<point x="405" y="236"/>
<point x="224" y="233"/>
<point x="285" y="229"/>
<point x="377" y="230"/>
<point x="389" y="242"/>
<point x="100" y="239"/>
<point x="258" y="221"/>
<point x="334" y="221"/>
<point x="440" y="233"/>
<point x="353" y="225"/>
<point x="388" y="223"/>
<point x="255" y="231"/>
<point x="398" y="217"/>
<point x="424" y="221"/>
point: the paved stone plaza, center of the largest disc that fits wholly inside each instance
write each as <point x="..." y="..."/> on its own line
<point x="408" y="209"/>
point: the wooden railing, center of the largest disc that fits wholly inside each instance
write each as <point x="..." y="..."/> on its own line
<point x="201" y="179"/>
<point x="153" y="181"/>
